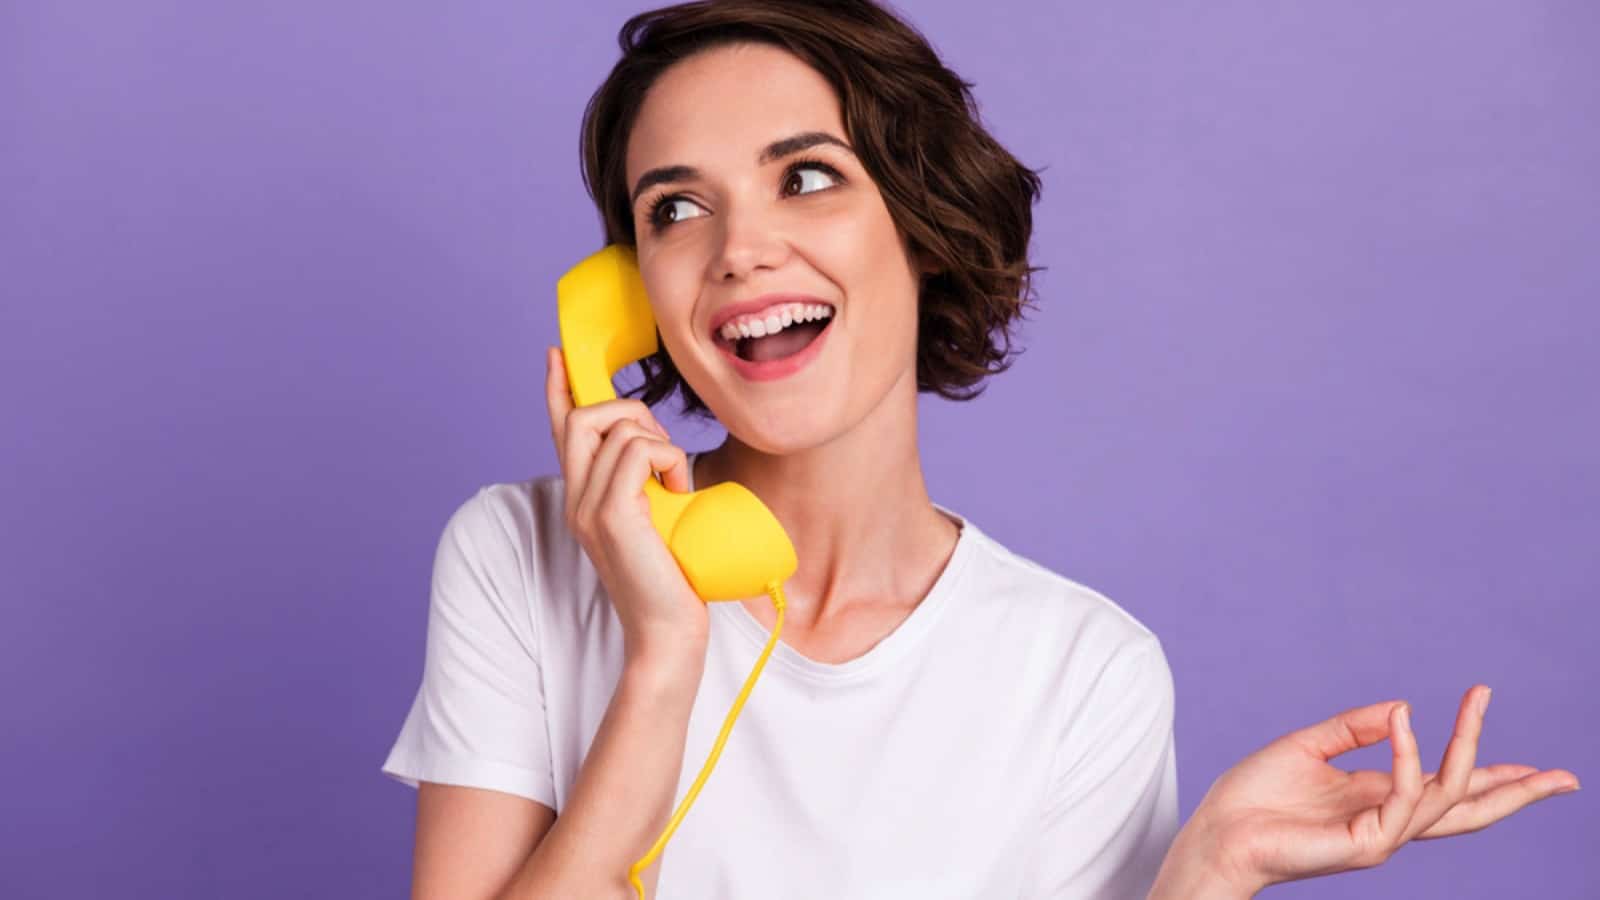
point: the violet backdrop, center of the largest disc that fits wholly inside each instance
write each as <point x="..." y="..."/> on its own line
<point x="1311" y="392"/>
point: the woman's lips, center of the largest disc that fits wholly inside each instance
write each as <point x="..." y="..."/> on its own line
<point x="766" y="301"/>
<point x="773" y="370"/>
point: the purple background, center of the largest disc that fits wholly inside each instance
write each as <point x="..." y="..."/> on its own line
<point x="1311" y="392"/>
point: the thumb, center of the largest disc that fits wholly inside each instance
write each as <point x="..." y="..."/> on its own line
<point x="1358" y="727"/>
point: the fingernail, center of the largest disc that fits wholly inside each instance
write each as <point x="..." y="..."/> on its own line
<point x="1483" y="705"/>
<point x="1405" y="716"/>
<point x="1570" y="789"/>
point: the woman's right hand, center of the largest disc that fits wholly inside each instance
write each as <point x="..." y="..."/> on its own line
<point x="606" y="451"/>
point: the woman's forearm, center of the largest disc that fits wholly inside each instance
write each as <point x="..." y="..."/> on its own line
<point x="623" y="794"/>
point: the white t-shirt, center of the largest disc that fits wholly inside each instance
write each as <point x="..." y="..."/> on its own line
<point x="1012" y="738"/>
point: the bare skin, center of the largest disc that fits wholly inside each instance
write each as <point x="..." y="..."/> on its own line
<point x="1285" y="813"/>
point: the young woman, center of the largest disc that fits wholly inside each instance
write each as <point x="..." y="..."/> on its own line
<point x="825" y="230"/>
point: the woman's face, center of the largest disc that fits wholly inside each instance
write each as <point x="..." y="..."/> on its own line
<point x="744" y="226"/>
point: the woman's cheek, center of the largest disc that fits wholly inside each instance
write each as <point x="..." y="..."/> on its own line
<point x="670" y="284"/>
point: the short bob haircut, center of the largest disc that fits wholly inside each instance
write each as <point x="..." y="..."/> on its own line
<point x="961" y="199"/>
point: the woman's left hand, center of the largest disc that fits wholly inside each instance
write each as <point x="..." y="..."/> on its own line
<point x="1283" y="813"/>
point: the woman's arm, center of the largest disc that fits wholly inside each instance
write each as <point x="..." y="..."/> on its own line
<point x="622" y="797"/>
<point x="624" y="790"/>
<point x="471" y="840"/>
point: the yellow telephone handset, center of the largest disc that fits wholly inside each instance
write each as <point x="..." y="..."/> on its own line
<point x="726" y="541"/>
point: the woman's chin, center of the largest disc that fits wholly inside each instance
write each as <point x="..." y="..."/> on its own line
<point x="780" y="430"/>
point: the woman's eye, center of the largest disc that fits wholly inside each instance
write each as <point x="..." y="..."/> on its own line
<point x="663" y="213"/>
<point x="660" y="214"/>
<point x="795" y="176"/>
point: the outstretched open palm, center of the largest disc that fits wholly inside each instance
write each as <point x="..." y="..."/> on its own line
<point x="1284" y="813"/>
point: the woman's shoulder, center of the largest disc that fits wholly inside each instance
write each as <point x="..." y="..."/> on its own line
<point x="1053" y="602"/>
<point x="532" y="503"/>
<point x="519" y="527"/>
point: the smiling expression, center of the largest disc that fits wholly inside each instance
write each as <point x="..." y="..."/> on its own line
<point x="750" y="189"/>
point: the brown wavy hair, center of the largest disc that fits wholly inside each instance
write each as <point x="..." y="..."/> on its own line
<point x="961" y="199"/>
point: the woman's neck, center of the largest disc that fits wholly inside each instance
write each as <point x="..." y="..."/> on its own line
<point x="858" y="512"/>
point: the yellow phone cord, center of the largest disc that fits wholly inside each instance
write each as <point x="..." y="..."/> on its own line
<point x="775" y="591"/>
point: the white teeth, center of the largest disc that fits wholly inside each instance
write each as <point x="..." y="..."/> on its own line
<point x="774" y="322"/>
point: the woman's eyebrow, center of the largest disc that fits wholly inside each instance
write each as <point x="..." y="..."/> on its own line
<point x="774" y="151"/>
<point x="792" y="145"/>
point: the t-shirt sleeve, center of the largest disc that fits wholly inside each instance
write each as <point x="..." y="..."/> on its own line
<point x="478" y="718"/>
<point x="1112" y="810"/>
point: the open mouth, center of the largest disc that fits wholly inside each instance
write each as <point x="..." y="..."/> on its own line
<point x="786" y="342"/>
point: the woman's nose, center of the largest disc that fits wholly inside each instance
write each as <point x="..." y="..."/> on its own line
<point x="750" y="240"/>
